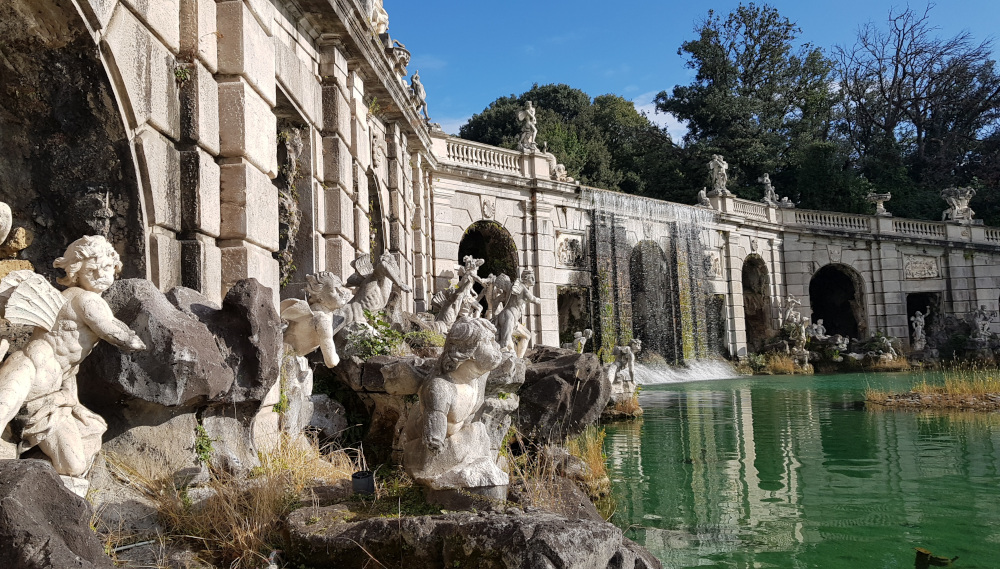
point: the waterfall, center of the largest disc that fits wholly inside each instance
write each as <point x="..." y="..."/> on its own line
<point x="650" y="283"/>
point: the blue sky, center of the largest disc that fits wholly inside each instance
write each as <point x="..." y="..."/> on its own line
<point x="470" y="52"/>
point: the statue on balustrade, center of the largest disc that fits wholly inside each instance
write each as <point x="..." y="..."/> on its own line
<point x="419" y="95"/>
<point x="529" y="128"/>
<point x="718" y="175"/>
<point x="958" y="205"/>
<point x="770" y="196"/>
<point x="511" y="333"/>
<point x="38" y="389"/>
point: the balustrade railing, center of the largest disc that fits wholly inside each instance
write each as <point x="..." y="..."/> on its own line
<point x="483" y="156"/>
<point x="919" y="228"/>
<point x="993" y="235"/>
<point x="750" y="209"/>
<point x="833" y="220"/>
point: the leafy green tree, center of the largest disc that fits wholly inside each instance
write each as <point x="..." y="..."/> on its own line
<point x="757" y="98"/>
<point x="603" y="142"/>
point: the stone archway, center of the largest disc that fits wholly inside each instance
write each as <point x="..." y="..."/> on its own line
<point x="836" y="295"/>
<point x="756" y="302"/>
<point x="490" y="241"/>
<point x="66" y="162"/>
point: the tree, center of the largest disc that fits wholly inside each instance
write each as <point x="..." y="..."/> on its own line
<point x="603" y="142"/>
<point x="756" y="98"/>
<point x="917" y="108"/>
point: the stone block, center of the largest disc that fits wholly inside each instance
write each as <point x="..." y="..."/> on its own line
<point x="397" y="237"/>
<point x="245" y="48"/>
<point x="337" y="163"/>
<point x="200" y="109"/>
<point x="198" y="32"/>
<point x="145" y="74"/>
<point x="339" y="254"/>
<point x="397" y="205"/>
<point x="396" y="175"/>
<point x="362" y="231"/>
<point x="264" y="12"/>
<point x="241" y="260"/>
<point x="361" y="147"/>
<point x="249" y="208"/>
<point x="333" y="63"/>
<point x="336" y="111"/>
<point x="338" y="214"/>
<point x="162" y="17"/>
<point x="98" y="12"/>
<point x="201" y="267"/>
<point x="159" y="169"/>
<point x="247" y="127"/>
<point x="164" y="259"/>
<point x="200" y="203"/>
<point x="362" y="192"/>
<point x="447" y="253"/>
<point x="316" y="153"/>
<point x="299" y="82"/>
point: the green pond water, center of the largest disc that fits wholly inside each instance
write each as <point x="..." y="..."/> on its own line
<point x="794" y="472"/>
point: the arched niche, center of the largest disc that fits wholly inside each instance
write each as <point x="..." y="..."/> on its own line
<point x="67" y="167"/>
<point x="490" y="241"/>
<point x="756" y="302"/>
<point x="836" y="295"/>
<point x="655" y="311"/>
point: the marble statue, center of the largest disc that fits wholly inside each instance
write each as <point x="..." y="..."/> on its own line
<point x="958" y="205"/>
<point x="313" y="323"/>
<point x="818" y="331"/>
<point x="38" y="382"/>
<point x="374" y="281"/>
<point x="495" y="290"/>
<point x="444" y="445"/>
<point x="511" y="334"/>
<point x="786" y="203"/>
<point x="377" y="16"/>
<point x="717" y="169"/>
<point x="529" y="128"/>
<point x="703" y="200"/>
<point x="917" y="322"/>
<point x="453" y="302"/>
<point x="623" y="368"/>
<point x="579" y="342"/>
<point x="6" y="221"/>
<point x="792" y="315"/>
<point x="980" y="320"/>
<point x="879" y="201"/>
<point x="419" y="95"/>
<point x="770" y="196"/>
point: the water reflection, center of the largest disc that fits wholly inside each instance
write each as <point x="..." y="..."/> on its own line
<point x="792" y="473"/>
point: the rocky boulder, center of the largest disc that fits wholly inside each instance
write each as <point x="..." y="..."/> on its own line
<point x="42" y="524"/>
<point x="326" y="537"/>
<point x="563" y="392"/>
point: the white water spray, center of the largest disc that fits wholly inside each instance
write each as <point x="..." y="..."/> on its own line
<point x="697" y="370"/>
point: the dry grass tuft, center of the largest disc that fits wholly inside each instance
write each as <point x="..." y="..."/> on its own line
<point x="236" y="522"/>
<point x="588" y="446"/>
<point x="780" y="364"/>
<point x="628" y="407"/>
<point x="896" y="364"/>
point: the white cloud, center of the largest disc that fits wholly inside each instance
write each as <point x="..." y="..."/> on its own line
<point x="451" y="126"/>
<point x="676" y="127"/>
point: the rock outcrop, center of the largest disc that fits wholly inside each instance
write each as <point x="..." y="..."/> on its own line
<point x="325" y="537"/>
<point x="42" y="524"/>
<point x="563" y="392"/>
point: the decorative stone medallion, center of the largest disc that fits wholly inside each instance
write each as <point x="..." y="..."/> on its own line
<point x="915" y="267"/>
<point x="569" y="251"/>
<point x="489" y="207"/>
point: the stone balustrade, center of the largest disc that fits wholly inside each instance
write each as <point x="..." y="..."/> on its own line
<point x="750" y="210"/>
<point x="829" y="220"/>
<point x="929" y="229"/>
<point x="482" y="156"/>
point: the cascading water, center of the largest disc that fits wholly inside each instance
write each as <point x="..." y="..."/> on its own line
<point x="648" y="262"/>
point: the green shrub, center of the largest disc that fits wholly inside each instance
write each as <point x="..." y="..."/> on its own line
<point x="424" y="339"/>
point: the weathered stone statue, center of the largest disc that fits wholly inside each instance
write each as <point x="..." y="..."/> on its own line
<point x="38" y="383"/>
<point x="495" y="291"/>
<point x="374" y="282"/>
<point x="312" y="323"/>
<point x="529" y="128"/>
<point x="453" y="302"/>
<point x="623" y="369"/>
<point x="818" y="331"/>
<point x="580" y="340"/>
<point x="980" y="320"/>
<point x="419" y="95"/>
<point x="444" y="446"/>
<point x="792" y="315"/>
<point x="770" y="196"/>
<point x="958" y="205"/>
<point x="511" y="334"/>
<point x="717" y="172"/>
<point x="377" y="16"/>
<point x="703" y="200"/>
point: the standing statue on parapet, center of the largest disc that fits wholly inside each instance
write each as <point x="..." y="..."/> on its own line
<point x="313" y="323"/>
<point x="511" y="334"/>
<point x="703" y="200"/>
<point x="529" y="128"/>
<point x="377" y="16"/>
<point x="958" y="205"/>
<point x="419" y="95"/>
<point x="38" y="383"/>
<point x="718" y="174"/>
<point x="770" y="196"/>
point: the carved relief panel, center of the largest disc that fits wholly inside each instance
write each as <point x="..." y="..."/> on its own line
<point x="569" y="251"/>
<point x="918" y="267"/>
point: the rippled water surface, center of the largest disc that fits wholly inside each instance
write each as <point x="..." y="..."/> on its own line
<point x="794" y="472"/>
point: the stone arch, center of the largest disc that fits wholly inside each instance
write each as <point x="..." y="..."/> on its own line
<point x="836" y="295"/>
<point x="756" y="302"/>
<point x="377" y="220"/>
<point x="67" y="163"/>
<point x="655" y="311"/>
<point x="488" y="240"/>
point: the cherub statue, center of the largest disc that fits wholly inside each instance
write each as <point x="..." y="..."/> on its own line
<point x="511" y="334"/>
<point x="495" y="291"/>
<point x="38" y="382"/>
<point x="624" y="365"/>
<point x="818" y="330"/>
<point x="313" y="323"/>
<point x="529" y="128"/>
<point x="444" y="445"/>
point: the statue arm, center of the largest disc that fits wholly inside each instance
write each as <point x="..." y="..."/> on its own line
<point x="325" y="331"/>
<point x="438" y="396"/>
<point x="97" y="315"/>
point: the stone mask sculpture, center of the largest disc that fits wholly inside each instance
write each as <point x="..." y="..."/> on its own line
<point x="445" y="446"/>
<point x="312" y="323"/>
<point x="38" y="383"/>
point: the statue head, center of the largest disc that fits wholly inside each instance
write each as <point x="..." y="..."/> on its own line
<point x="636" y="345"/>
<point x="90" y="262"/>
<point x="588" y="333"/>
<point x="471" y="339"/>
<point x="528" y="277"/>
<point x="326" y="289"/>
